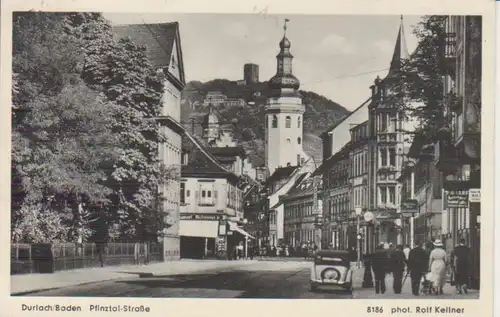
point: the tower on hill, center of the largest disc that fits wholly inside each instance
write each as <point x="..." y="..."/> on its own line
<point x="284" y="111"/>
<point x="251" y="73"/>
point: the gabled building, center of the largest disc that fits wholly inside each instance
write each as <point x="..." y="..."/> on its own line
<point x="164" y="50"/>
<point x="212" y="217"/>
<point x="387" y="129"/>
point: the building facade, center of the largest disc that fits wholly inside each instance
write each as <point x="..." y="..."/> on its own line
<point x="212" y="215"/>
<point x="171" y="62"/>
<point x="358" y="180"/>
<point x="336" y="231"/>
<point x="458" y="150"/>
<point x="299" y="210"/>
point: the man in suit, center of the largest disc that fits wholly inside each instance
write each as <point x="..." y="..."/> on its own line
<point x="418" y="261"/>
<point x="380" y="263"/>
<point x="398" y="263"/>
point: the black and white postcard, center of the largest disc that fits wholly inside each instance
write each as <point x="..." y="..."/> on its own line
<point x="163" y="152"/>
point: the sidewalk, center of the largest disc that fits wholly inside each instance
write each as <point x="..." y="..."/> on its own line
<point x="29" y="283"/>
<point x="369" y="293"/>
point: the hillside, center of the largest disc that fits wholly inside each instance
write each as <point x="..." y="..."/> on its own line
<point x="320" y="114"/>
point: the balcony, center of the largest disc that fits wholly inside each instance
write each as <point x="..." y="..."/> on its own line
<point x="450" y="51"/>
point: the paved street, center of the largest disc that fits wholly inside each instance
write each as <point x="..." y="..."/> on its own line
<point x="232" y="279"/>
<point x="262" y="279"/>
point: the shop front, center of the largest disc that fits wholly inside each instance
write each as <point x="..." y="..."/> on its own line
<point x="199" y="233"/>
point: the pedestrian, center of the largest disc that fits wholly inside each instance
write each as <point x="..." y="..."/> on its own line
<point x="461" y="258"/>
<point x="437" y="266"/>
<point x="417" y="266"/>
<point x="398" y="263"/>
<point x="406" y="251"/>
<point x="379" y="265"/>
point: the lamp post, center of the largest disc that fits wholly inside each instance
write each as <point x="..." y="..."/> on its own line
<point x="318" y="221"/>
<point x="358" y="236"/>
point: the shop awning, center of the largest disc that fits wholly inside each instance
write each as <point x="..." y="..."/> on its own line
<point x="199" y="228"/>
<point x="234" y="227"/>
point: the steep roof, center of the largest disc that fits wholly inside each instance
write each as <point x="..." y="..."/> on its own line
<point x="346" y="117"/>
<point x="280" y="173"/>
<point x="158" y="38"/>
<point x="400" y="51"/>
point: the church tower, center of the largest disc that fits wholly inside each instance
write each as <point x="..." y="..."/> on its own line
<point x="284" y="110"/>
<point x="211" y="127"/>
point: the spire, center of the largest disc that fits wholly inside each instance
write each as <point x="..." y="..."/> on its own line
<point x="284" y="79"/>
<point x="400" y="49"/>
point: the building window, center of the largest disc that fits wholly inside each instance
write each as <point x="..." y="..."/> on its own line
<point x="275" y="121"/>
<point x="392" y="157"/>
<point x="298" y="122"/>
<point x="299" y="140"/>
<point x="288" y="122"/>
<point x="392" y="195"/>
<point x="383" y="195"/>
<point x="383" y="157"/>
<point x="183" y="192"/>
<point x="267" y="122"/>
<point x="207" y="195"/>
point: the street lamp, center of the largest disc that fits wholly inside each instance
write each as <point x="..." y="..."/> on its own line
<point x="358" y="210"/>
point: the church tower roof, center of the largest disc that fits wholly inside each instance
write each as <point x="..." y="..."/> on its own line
<point x="210" y="118"/>
<point x="400" y="51"/>
<point x="284" y="80"/>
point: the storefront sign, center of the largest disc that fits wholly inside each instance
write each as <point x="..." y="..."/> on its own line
<point x="475" y="195"/>
<point x="189" y="216"/>
<point x="409" y="207"/>
<point x="454" y="200"/>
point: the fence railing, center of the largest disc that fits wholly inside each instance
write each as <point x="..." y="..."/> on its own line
<point x="47" y="258"/>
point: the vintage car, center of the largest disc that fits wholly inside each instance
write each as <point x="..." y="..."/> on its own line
<point x="331" y="270"/>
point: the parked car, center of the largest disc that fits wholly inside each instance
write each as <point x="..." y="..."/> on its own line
<point x="331" y="269"/>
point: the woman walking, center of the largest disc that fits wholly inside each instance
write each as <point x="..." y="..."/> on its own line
<point x="437" y="266"/>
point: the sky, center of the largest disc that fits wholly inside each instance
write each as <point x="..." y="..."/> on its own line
<point x="337" y="56"/>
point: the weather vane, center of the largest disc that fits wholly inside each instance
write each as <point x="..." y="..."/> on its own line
<point x="284" y="26"/>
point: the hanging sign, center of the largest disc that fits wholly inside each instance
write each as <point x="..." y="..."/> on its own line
<point x="456" y="200"/>
<point x="475" y="195"/>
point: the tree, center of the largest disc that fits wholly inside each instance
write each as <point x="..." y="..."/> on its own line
<point x="61" y="141"/>
<point x="419" y="91"/>
<point x="122" y="71"/>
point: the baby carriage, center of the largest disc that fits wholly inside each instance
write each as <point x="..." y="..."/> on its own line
<point x="426" y="287"/>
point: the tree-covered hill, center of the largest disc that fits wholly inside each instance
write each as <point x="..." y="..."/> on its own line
<point x="247" y="121"/>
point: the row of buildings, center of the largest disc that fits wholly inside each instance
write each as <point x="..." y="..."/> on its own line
<point x="378" y="182"/>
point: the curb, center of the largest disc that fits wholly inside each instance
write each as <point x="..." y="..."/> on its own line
<point x="23" y="293"/>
